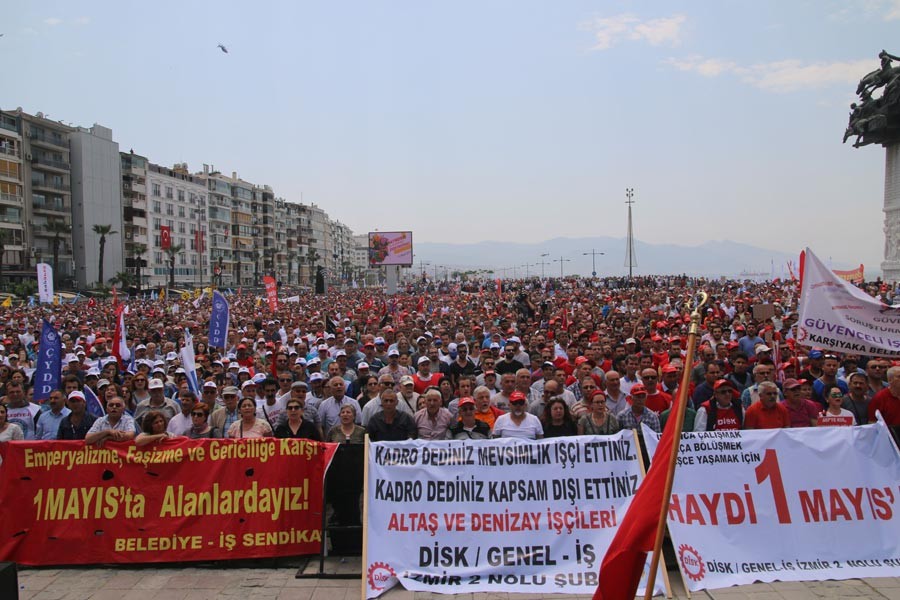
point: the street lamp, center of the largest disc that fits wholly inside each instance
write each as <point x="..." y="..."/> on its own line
<point x="594" y="255"/>
<point x="542" y="263"/>
<point x="561" y="260"/>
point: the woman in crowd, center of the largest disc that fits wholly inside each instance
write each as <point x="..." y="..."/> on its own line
<point x="557" y="420"/>
<point x="296" y="426"/>
<point x="139" y="391"/>
<point x="347" y="431"/>
<point x="153" y="429"/>
<point x="248" y="426"/>
<point x="368" y="387"/>
<point x="835" y="399"/>
<point x="9" y="431"/>
<point x="598" y="421"/>
<point x="446" y="389"/>
<point x="200" y="423"/>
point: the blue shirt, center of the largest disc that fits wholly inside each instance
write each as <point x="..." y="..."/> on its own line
<point x="48" y="424"/>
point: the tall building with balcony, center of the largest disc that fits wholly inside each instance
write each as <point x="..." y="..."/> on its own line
<point x="96" y="202"/>
<point x="46" y="178"/>
<point x="219" y="221"/>
<point x="136" y="242"/>
<point x="178" y="201"/>
<point x="341" y="249"/>
<point x="12" y="201"/>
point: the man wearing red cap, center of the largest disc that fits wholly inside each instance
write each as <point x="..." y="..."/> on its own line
<point x="518" y="422"/>
<point x="888" y="402"/>
<point x="720" y="412"/>
<point x="637" y="412"/>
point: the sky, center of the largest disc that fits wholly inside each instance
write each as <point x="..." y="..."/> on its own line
<point x="509" y="120"/>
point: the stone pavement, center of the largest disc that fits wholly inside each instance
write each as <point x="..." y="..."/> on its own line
<point x="276" y="581"/>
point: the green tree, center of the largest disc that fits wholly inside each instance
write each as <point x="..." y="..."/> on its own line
<point x="137" y="251"/>
<point x="58" y="229"/>
<point x="291" y="257"/>
<point x="123" y="279"/>
<point x="102" y="231"/>
<point x="173" y="251"/>
<point x="312" y="256"/>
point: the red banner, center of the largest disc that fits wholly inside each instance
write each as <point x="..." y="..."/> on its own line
<point x="180" y="500"/>
<point x="271" y="293"/>
<point x="857" y="275"/>
<point x="165" y="237"/>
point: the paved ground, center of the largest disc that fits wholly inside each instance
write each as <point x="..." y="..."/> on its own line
<point x="277" y="581"/>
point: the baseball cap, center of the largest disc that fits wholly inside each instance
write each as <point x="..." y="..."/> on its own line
<point x="466" y="400"/>
<point x="790" y="383"/>
<point x="516" y="397"/>
<point x="210" y="384"/>
<point x="393" y="352"/>
<point x="423" y="359"/>
<point x="720" y="383"/>
<point x="155" y="384"/>
<point x="230" y="391"/>
<point x="76" y="394"/>
<point x="816" y="353"/>
<point x="761" y="348"/>
<point x="638" y="388"/>
<point x="362" y="365"/>
<point x="631" y="341"/>
<point x="406" y="380"/>
<point x="299" y="384"/>
<point x="249" y="382"/>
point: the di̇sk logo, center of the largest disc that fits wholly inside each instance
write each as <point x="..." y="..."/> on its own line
<point x="51" y="336"/>
<point x="691" y="562"/>
<point x="220" y="305"/>
<point x="379" y="575"/>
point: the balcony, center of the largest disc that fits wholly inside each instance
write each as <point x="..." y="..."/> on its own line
<point x="9" y="173"/>
<point x="10" y="151"/>
<point x="50" y="163"/>
<point x="40" y="137"/>
<point x="11" y="199"/>
<point x="8" y="124"/>
<point x="49" y="185"/>
<point x="14" y="219"/>
<point x="44" y="230"/>
<point x="49" y="206"/>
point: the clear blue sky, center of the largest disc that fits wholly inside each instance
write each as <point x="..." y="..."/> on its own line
<point x="490" y="120"/>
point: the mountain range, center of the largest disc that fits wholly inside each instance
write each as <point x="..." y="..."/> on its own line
<point x="507" y="259"/>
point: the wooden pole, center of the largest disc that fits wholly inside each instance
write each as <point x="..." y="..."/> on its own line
<point x="679" y="423"/>
<point x="365" y="519"/>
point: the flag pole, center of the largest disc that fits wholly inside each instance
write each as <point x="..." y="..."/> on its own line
<point x="699" y="301"/>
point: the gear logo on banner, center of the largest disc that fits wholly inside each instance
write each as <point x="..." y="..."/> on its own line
<point x="802" y="334"/>
<point x="380" y="575"/>
<point x="691" y="562"/>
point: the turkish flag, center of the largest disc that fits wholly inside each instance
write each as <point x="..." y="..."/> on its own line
<point x="165" y="237"/>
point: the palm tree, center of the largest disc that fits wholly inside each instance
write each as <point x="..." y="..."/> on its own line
<point x="123" y="279"/>
<point x="172" y="251"/>
<point x="291" y="257"/>
<point x="311" y="257"/>
<point x="58" y="229"/>
<point x="137" y="250"/>
<point x="5" y="238"/>
<point x="102" y="231"/>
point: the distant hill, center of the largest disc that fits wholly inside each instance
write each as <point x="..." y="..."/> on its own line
<point x="714" y="258"/>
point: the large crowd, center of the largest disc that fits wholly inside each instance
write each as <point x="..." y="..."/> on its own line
<point x="537" y="358"/>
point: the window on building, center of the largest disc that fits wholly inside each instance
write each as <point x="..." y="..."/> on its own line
<point x="157" y="206"/>
<point x="156" y="189"/>
<point x="170" y="210"/>
<point x="158" y="256"/>
<point x="169" y="192"/>
<point x="156" y="223"/>
<point x="181" y="195"/>
<point x="181" y="211"/>
<point x="181" y="227"/>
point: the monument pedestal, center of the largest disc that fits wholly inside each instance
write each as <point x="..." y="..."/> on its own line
<point x="891" y="265"/>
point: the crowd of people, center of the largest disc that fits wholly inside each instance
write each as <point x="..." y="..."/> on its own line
<point x="536" y="358"/>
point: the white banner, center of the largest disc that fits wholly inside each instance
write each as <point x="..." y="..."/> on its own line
<point x="836" y="314"/>
<point x="785" y="505"/>
<point x="501" y="515"/>
<point x="45" y="282"/>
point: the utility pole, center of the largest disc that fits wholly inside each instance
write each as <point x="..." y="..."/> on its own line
<point x="594" y="254"/>
<point x="423" y="264"/>
<point x="542" y="263"/>
<point x="526" y="269"/>
<point x="630" y="260"/>
<point x="561" y="260"/>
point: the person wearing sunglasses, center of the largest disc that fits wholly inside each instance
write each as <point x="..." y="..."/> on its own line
<point x="200" y="427"/>
<point x="468" y="427"/>
<point x="295" y="426"/>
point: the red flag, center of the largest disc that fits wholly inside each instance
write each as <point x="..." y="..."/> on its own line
<point x="802" y="265"/>
<point x="115" y="298"/>
<point x="271" y="292"/>
<point x="92" y="303"/>
<point x="623" y="564"/>
<point x="165" y="237"/>
<point x="420" y="305"/>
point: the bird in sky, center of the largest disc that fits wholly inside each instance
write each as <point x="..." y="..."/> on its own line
<point x="222" y="48"/>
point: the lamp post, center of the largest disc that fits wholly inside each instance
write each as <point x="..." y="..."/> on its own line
<point x="542" y="263"/>
<point x="594" y="255"/>
<point x="561" y="260"/>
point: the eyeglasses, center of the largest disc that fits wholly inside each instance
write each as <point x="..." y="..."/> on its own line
<point x="649" y="377"/>
<point x="198" y="414"/>
<point x="285" y="380"/>
<point x="462" y="408"/>
<point x="294" y="407"/>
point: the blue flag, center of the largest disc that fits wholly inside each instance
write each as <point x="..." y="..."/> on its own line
<point x="92" y="403"/>
<point x="49" y="363"/>
<point x="218" y="321"/>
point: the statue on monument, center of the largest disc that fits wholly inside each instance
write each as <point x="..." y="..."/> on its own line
<point x="877" y="120"/>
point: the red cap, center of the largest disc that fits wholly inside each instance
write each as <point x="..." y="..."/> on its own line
<point x="669" y="369"/>
<point x="722" y="383"/>
<point x="638" y="388"/>
<point x="517" y="397"/>
<point x="465" y="400"/>
<point x="581" y="360"/>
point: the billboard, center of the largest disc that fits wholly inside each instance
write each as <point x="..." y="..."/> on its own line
<point x="390" y="248"/>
